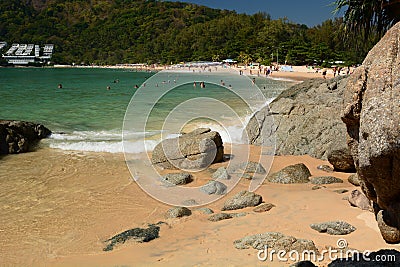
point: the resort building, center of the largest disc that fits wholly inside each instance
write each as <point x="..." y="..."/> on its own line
<point x="23" y="54"/>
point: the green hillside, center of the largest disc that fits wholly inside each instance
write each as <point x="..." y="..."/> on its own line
<point x="132" y="31"/>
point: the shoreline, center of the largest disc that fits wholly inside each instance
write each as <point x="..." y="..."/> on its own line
<point x="73" y="201"/>
<point x="299" y="73"/>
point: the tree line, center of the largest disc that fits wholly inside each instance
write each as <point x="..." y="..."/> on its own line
<point x="149" y="31"/>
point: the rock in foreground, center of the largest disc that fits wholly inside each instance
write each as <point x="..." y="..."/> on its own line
<point x="195" y="150"/>
<point x="20" y="136"/>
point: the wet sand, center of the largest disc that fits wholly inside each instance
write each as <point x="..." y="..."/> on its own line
<point x="58" y="208"/>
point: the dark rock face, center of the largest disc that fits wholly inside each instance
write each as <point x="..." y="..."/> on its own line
<point x="305" y="119"/>
<point x="276" y="241"/>
<point x="20" y="136"/>
<point x="333" y="228"/>
<point x="137" y="234"/>
<point x="293" y="174"/>
<point x="195" y="150"/>
<point x="341" y="159"/>
<point x="371" y="115"/>
<point x="242" y="200"/>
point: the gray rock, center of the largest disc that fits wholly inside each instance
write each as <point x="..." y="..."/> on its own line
<point x="354" y="180"/>
<point x="304" y="119"/>
<point x="293" y="174"/>
<point x="264" y="207"/>
<point x="137" y="234"/>
<point x="276" y="241"/>
<point x="178" y="212"/>
<point x="177" y="178"/>
<point x="247" y="176"/>
<point x="341" y="159"/>
<point x="214" y="187"/>
<point x="247" y="167"/>
<point x="189" y="202"/>
<point x="325" y="168"/>
<point x="20" y="136"/>
<point x="371" y="114"/>
<point x="206" y="210"/>
<point x="317" y="187"/>
<point x="334" y="227"/>
<point x="242" y="200"/>
<point x="325" y="180"/>
<point x="219" y="217"/>
<point x="341" y="191"/>
<point x="195" y="150"/>
<point x="359" y="200"/>
<point x="221" y="173"/>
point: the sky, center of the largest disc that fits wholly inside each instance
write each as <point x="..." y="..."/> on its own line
<point x="308" y="12"/>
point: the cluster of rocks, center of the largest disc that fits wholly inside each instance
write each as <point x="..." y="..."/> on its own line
<point x="20" y="136"/>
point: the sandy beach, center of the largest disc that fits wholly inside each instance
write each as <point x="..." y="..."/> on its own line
<point x="66" y="204"/>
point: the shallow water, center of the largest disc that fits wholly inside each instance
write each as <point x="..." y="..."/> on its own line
<point x="85" y="116"/>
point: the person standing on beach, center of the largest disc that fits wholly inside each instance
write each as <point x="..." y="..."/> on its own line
<point x="324" y="73"/>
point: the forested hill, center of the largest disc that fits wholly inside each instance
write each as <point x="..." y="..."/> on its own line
<point x="132" y="31"/>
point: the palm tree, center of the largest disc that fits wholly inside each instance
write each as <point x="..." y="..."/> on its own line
<point x="365" y="16"/>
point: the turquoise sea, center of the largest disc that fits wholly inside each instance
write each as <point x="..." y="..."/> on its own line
<point x="84" y="115"/>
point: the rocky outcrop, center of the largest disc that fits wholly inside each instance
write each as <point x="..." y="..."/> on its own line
<point x="20" y="136"/>
<point x="341" y="159"/>
<point x="195" y="150"/>
<point x="371" y="115"/>
<point x="304" y="119"/>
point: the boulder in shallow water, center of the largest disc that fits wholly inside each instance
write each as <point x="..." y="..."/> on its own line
<point x="195" y="150"/>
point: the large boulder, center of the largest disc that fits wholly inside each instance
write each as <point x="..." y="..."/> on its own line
<point x="195" y="150"/>
<point x="20" y="136"/>
<point x="304" y="119"/>
<point x="371" y="115"/>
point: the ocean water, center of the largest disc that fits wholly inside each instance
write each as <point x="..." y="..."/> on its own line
<point x="84" y="115"/>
